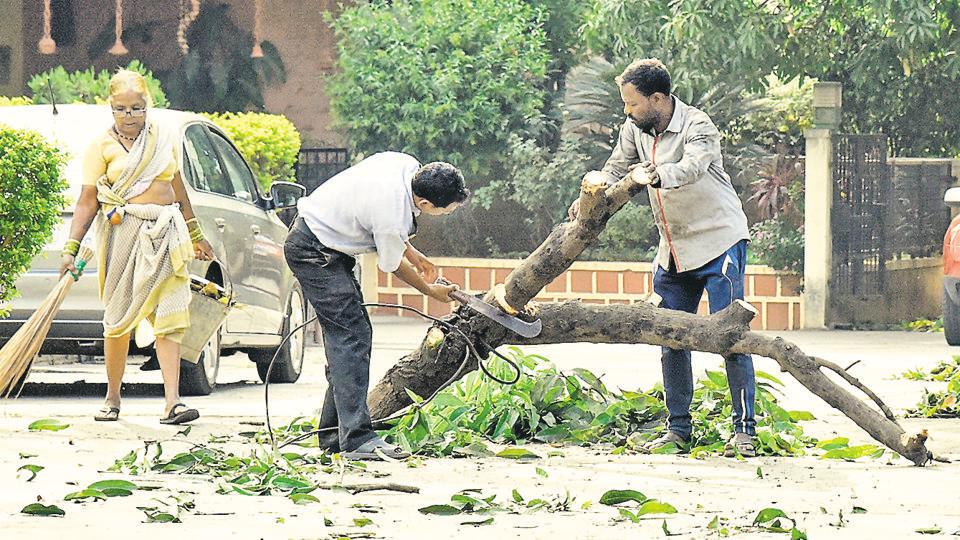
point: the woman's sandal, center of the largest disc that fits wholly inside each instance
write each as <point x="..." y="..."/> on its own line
<point x="185" y="415"/>
<point x="108" y="414"/>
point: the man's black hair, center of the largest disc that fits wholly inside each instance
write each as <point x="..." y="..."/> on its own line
<point x="440" y="183"/>
<point x="648" y="76"/>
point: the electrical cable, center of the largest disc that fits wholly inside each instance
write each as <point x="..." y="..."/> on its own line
<point x="471" y="351"/>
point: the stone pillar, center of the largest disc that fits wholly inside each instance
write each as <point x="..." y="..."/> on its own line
<point x="818" y="200"/>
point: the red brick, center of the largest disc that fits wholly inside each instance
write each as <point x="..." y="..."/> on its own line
<point x="581" y="281"/>
<point x="778" y="317"/>
<point x="480" y="279"/>
<point x="500" y="275"/>
<point x="592" y="301"/>
<point x="384" y="298"/>
<point x="607" y="282"/>
<point x="789" y="285"/>
<point x="757" y="322"/>
<point x="414" y="301"/>
<point x="437" y="308"/>
<point x="382" y="278"/>
<point x="764" y="285"/>
<point x="634" y="282"/>
<point x="796" y="316"/>
<point x="617" y="301"/>
<point x="454" y="275"/>
<point x="559" y="284"/>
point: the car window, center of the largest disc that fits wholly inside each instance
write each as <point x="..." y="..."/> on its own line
<point x="241" y="179"/>
<point x="205" y="169"/>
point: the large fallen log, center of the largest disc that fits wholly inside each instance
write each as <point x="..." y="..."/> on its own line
<point x="440" y="357"/>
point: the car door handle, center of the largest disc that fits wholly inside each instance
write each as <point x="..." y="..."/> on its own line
<point x="221" y="224"/>
<point x="255" y="229"/>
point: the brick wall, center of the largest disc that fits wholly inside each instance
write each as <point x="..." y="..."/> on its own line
<point x="774" y="294"/>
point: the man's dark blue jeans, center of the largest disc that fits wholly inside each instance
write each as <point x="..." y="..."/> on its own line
<point x="326" y="277"/>
<point x="722" y="278"/>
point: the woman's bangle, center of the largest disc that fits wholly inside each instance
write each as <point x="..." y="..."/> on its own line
<point x="196" y="235"/>
<point x="196" y="224"/>
<point x="72" y="247"/>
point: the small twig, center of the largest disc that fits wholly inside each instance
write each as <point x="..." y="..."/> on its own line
<point x="940" y="459"/>
<point x="251" y="422"/>
<point x="855" y="362"/>
<point x="858" y="385"/>
<point x="360" y="488"/>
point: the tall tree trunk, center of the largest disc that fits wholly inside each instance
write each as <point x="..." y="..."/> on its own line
<point x="443" y="355"/>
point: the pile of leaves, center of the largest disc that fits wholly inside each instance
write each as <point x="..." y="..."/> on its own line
<point x="938" y="404"/>
<point x="924" y="325"/>
<point x="549" y="406"/>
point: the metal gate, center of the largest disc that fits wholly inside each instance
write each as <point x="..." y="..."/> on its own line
<point x="317" y="165"/>
<point x="859" y="216"/>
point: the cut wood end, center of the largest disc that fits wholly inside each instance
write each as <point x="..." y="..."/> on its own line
<point x="591" y="188"/>
<point x="500" y="295"/>
<point x="746" y="305"/>
<point x="434" y="338"/>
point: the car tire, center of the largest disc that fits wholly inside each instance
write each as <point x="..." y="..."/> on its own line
<point x="201" y="378"/>
<point x="951" y="317"/>
<point x="289" y="363"/>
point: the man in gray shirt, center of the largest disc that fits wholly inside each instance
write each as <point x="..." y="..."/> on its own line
<point x="674" y="149"/>
<point x="370" y="207"/>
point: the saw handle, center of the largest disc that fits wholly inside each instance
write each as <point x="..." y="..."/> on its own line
<point x="457" y="295"/>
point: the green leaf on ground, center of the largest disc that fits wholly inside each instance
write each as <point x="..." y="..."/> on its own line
<point x="24" y="455"/>
<point x="104" y="485"/>
<point x="517" y="498"/>
<point x="439" y="510"/>
<point x="656" y="507"/>
<point x="488" y="521"/>
<point x="759" y="473"/>
<point x="362" y="522"/>
<point x="930" y="530"/>
<point x="859" y="510"/>
<point x="303" y="498"/>
<point x="666" y="531"/>
<point x="542" y="472"/>
<point x="517" y="453"/>
<point x="32" y="469"/>
<point x="88" y="493"/>
<point x="769" y="514"/>
<point x="47" y="424"/>
<point x="37" y="509"/>
<point x="617" y="496"/>
<point x="629" y="515"/>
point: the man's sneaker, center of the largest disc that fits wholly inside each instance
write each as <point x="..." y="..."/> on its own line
<point x="741" y="444"/>
<point x="668" y="438"/>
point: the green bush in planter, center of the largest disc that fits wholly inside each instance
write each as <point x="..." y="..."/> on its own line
<point x="269" y="142"/>
<point x="12" y="101"/>
<point x="88" y="86"/>
<point x="31" y="199"/>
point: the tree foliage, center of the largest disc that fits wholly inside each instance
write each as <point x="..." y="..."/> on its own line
<point x="31" y="199"/>
<point x="88" y="86"/>
<point x="442" y="80"/>
<point x="269" y="142"/>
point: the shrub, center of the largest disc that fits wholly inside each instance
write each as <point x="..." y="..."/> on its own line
<point x="269" y="142"/>
<point x="11" y="101"/>
<point x="778" y="244"/>
<point x="442" y="80"/>
<point x="31" y="199"/>
<point x="630" y="235"/>
<point x="88" y="86"/>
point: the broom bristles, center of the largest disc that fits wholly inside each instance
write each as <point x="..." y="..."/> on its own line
<point x="17" y="355"/>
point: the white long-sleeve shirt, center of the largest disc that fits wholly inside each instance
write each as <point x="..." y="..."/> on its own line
<point x="366" y="208"/>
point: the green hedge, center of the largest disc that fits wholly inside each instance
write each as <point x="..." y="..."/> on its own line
<point x="31" y="199"/>
<point x="11" y="101"/>
<point x="88" y="86"/>
<point x="269" y="142"/>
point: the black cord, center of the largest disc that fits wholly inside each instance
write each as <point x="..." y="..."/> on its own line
<point x="471" y="350"/>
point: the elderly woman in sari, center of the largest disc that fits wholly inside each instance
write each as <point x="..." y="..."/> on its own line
<point x="146" y="234"/>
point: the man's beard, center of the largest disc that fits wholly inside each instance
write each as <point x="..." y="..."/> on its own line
<point x="647" y="124"/>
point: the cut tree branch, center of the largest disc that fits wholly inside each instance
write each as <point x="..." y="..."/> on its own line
<point x="726" y="332"/>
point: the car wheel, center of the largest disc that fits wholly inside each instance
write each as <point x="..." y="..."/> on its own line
<point x="201" y="378"/>
<point x="289" y="363"/>
<point x="951" y="317"/>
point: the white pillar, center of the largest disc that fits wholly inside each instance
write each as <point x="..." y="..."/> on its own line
<point x="818" y="243"/>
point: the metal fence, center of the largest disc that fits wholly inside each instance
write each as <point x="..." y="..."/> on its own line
<point x="317" y="165"/>
<point x="918" y="218"/>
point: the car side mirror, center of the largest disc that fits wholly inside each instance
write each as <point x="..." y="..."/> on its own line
<point x="286" y="194"/>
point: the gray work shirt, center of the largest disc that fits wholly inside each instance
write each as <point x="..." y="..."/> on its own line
<point x="368" y="207"/>
<point x="697" y="211"/>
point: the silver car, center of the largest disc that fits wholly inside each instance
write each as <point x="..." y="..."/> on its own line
<point x="240" y="221"/>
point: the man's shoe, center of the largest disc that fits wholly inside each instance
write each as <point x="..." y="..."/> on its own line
<point x="376" y="449"/>
<point x="670" y="437"/>
<point x="741" y="444"/>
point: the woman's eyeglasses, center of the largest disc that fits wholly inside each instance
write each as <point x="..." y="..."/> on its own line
<point x="136" y="113"/>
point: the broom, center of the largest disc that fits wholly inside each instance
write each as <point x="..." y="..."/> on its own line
<point x="17" y="355"/>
